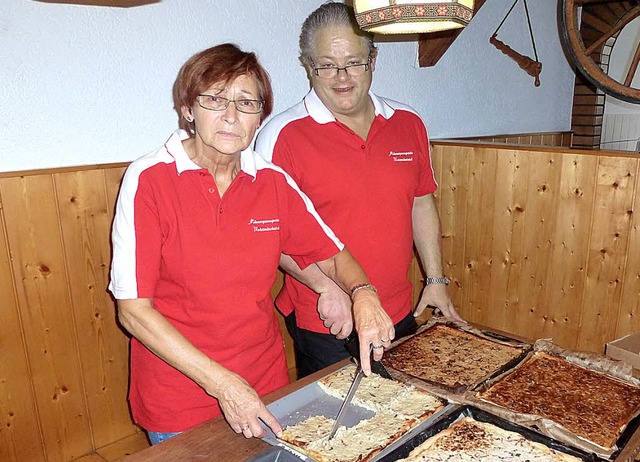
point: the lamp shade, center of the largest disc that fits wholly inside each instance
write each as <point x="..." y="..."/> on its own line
<point x="407" y="17"/>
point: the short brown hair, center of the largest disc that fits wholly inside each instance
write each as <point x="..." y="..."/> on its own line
<point x="218" y="64"/>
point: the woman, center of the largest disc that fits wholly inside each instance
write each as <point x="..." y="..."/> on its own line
<point x="200" y="226"/>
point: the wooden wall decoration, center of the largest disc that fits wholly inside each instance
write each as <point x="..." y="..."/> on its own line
<point x="539" y="242"/>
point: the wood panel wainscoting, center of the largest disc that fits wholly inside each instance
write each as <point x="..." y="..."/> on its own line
<point x="537" y="242"/>
<point x="550" y="139"/>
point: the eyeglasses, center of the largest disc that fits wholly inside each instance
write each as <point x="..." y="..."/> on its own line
<point x="352" y="70"/>
<point x="218" y="103"/>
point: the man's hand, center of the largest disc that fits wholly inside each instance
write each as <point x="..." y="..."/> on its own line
<point x="334" y="308"/>
<point x="437" y="295"/>
<point x="375" y="328"/>
<point x="242" y="407"/>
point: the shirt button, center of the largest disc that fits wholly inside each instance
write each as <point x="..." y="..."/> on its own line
<point x="362" y="147"/>
<point x="211" y="190"/>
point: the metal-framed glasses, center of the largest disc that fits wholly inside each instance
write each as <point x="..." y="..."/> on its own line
<point x="352" y="70"/>
<point x="219" y="103"/>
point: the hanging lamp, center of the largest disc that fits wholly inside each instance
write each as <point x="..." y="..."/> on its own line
<point x="408" y="17"/>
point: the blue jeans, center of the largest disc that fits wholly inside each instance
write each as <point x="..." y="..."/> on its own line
<point x="157" y="437"/>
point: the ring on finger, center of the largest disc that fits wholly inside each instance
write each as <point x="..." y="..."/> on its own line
<point x="245" y="428"/>
<point x="377" y="347"/>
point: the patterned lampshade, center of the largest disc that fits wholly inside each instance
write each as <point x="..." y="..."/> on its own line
<point x="408" y="17"/>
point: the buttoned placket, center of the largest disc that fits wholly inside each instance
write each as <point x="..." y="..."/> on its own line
<point x="212" y="195"/>
<point x="364" y="144"/>
<point x="216" y="202"/>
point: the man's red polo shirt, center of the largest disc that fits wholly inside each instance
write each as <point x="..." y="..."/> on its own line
<point x="364" y="190"/>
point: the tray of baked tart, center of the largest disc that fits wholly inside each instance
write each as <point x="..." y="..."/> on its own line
<point x="469" y="434"/>
<point x="383" y="414"/>
<point x="382" y="424"/>
<point x="584" y="400"/>
<point x="450" y="358"/>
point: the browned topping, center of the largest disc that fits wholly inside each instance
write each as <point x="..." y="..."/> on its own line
<point x="464" y="438"/>
<point x="592" y="405"/>
<point x="468" y="440"/>
<point x="450" y="357"/>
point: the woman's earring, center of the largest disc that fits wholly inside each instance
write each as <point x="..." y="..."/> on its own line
<point x="189" y="119"/>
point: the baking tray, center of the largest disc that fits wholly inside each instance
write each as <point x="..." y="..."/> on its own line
<point x="452" y="415"/>
<point x="547" y="425"/>
<point x="277" y="454"/>
<point x="456" y="394"/>
<point x="311" y="400"/>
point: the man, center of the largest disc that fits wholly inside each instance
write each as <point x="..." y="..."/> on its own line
<point x="364" y="162"/>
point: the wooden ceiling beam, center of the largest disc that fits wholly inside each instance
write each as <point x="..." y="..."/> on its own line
<point x="432" y="46"/>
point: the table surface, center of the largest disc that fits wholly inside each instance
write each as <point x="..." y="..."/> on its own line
<point x="214" y="440"/>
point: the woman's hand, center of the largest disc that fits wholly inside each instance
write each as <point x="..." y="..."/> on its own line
<point x="374" y="326"/>
<point x="243" y="408"/>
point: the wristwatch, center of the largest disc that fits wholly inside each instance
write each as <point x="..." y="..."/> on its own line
<point x="443" y="280"/>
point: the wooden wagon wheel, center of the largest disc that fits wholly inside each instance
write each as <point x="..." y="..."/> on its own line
<point x="602" y="20"/>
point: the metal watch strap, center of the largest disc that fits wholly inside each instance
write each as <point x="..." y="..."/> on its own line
<point x="443" y="280"/>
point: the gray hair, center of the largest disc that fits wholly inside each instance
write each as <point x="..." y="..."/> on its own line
<point x="330" y="14"/>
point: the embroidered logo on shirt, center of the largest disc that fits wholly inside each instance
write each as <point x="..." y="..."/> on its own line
<point x="406" y="156"/>
<point x="261" y="226"/>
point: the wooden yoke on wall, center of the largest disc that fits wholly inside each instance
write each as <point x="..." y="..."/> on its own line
<point x="530" y="66"/>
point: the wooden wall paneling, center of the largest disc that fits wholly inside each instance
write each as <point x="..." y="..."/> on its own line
<point x="452" y="163"/>
<point x="542" y="185"/>
<point x="478" y="241"/>
<point x="85" y="214"/>
<point x="629" y="317"/>
<point x="113" y="179"/>
<point x="288" y="341"/>
<point x="20" y="432"/>
<point x="567" y="275"/>
<point x="611" y="226"/>
<point x="539" y="243"/>
<point x="503" y="298"/>
<point x="415" y="277"/>
<point x="555" y="139"/>
<point x="124" y="447"/>
<point x="33" y="232"/>
<point x="524" y="140"/>
<point x="90" y="458"/>
<point x="537" y="140"/>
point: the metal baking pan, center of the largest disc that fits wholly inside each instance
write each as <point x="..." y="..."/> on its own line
<point x="449" y="392"/>
<point x="277" y="454"/>
<point x="453" y="415"/>
<point x="311" y="400"/>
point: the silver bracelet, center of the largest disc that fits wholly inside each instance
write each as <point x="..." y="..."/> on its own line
<point x="357" y="287"/>
<point x="443" y="280"/>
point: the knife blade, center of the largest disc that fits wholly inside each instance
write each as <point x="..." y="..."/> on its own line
<point x="347" y="401"/>
<point x="352" y="344"/>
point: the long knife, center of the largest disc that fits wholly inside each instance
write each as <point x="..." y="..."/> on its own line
<point x="347" y="400"/>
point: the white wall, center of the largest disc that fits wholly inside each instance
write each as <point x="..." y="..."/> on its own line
<point x="85" y="85"/>
<point x="621" y="120"/>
